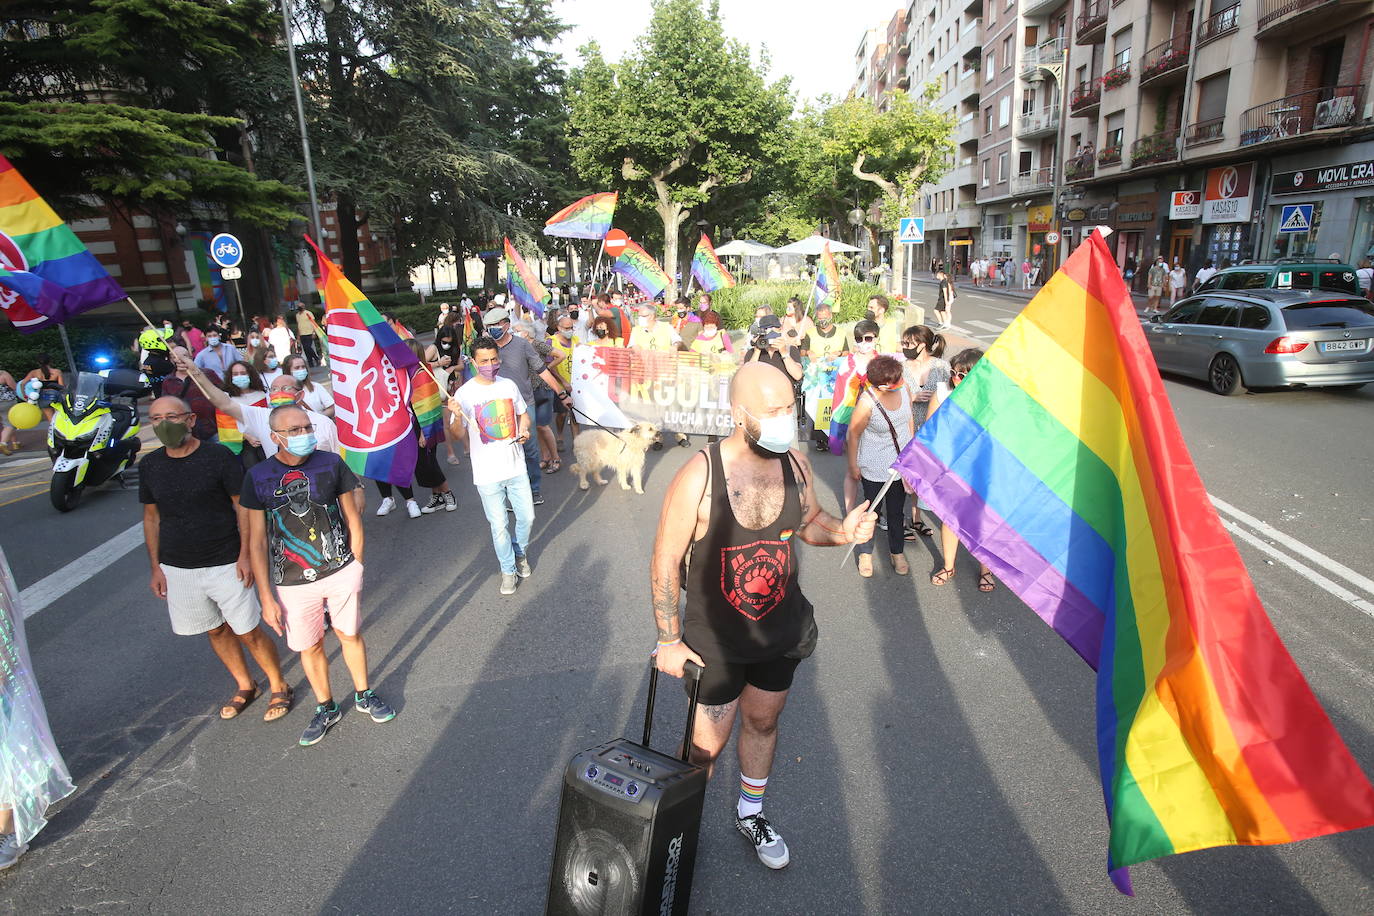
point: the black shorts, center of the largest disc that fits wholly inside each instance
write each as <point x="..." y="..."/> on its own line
<point x="722" y="682"/>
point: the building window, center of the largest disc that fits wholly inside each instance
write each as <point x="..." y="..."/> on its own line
<point x="1002" y="161"/>
<point x="1006" y="53"/>
<point x="1364" y="231"/>
<point x="987" y="120"/>
<point x="1004" y="111"/>
<point x="1027" y="101"/>
<point x="985" y="173"/>
<point x="991" y="67"/>
<point x="1023" y="162"/>
<point x="1122" y="43"/>
<point x="1001" y="227"/>
<point x="1211" y="96"/>
<point x="1116" y="133"/>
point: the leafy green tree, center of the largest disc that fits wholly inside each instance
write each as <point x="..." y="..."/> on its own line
<point x="683" y="117"/>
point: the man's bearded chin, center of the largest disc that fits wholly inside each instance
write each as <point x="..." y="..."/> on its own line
<point x="751" y="437"/>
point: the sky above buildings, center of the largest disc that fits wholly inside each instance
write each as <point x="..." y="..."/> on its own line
<point x="811" y="41"/>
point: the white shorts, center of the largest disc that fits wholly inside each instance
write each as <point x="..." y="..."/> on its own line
<point x="198" y="600"/>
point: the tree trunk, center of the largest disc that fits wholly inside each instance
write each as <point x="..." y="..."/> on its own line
<point x="874" y="256"/>
<point x="673" y="214"/>
<point x="460" y="270"/>
<point x="491" y="275"/>
<point x="347" y="215"/>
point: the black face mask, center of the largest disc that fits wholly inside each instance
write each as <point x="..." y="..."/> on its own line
<point x="681" y="314"/>
<point x="823" y="323"/>
<point x="572" y="313"/>
<point x="601" y="332"/>
<point x="911" y="352"/>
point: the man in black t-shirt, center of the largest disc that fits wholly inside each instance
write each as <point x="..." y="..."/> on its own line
<point x="199" y="552"/>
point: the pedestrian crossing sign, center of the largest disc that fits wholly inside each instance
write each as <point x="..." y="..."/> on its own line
<point x="912" y="230"/>
<point x="1296" y="218"/>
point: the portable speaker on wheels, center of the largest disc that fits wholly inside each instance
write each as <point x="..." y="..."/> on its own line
<point x="627" y="825"/>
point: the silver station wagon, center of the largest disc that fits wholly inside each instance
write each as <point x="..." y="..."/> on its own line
<point x="1267" y="338"/>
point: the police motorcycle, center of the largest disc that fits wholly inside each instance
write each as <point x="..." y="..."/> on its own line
<point x="93" y="435"/>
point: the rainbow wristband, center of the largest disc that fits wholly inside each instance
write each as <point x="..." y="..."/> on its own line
<point x="673" y="643"/>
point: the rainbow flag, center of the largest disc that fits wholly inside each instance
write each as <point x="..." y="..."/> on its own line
<point x="1059" y="464"/>
<point x="707" y="270"/>
<point x="367" y="360"/>
<point x="827" y="288"/>
<point x="638" y="266"/>
<point x="427" y="403"/>
<point x="524" y="287"/>
<point x="49" y="274"/>
<point x="849" y="381"/>
<point x="227" y="428"/>
<point x="588" y="218"/>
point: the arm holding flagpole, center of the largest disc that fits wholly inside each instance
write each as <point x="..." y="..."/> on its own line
<point x="221" y="401"/>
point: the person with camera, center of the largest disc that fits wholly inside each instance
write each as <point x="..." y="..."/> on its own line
<point x="770" y="345"/>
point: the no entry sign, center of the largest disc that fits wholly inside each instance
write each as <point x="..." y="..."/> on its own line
<point x="615" y="242"/>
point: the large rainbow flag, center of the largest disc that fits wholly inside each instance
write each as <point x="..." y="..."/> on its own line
<point x="522" y="284"/>
<point x="639" y="267"/>
<point x="588" y="218"/>
<point x="369" y="363"/>
<point x="1059" y="464"/>
<point x="707" y="270"/>
<point x="827" y="288"/>
<point x="427" y="403"/>
<point x="47" y="274"/>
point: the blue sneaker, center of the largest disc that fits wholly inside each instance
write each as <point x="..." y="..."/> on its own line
<point x="321" y="722"/>
<point x="374" y="706"/>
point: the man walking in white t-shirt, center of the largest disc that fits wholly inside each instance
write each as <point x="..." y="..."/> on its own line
<point x="490" y="416"/>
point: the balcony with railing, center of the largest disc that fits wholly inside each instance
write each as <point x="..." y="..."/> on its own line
<point x="1109" y="155"/>
<point x="967" y="130"/>
<point x="1086" y="99"/>
<point x="1038" y="123"/>
<point x="1080" y="167"/>
<point x="1155" y="148"/>
<point x="1300" y="114"/>
<point x="1117" y="77"/>
<point x="1038" y="7"/>
<point x="966" y="215"/>
<point x="1033" y="182"/>
<point x="1200" y="133"/>
<point x="1091" y="25"/>
<point x="1045" y="54"/>
<point x="904" y="82"/>
<point x="1166" y="62"/>
<point x="1220" y="23"/>
<point x="1278" y="18"/>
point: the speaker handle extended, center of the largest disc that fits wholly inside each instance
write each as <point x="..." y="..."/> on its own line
<point x="692" y="670"/>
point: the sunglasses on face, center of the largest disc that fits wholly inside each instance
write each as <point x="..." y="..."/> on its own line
<point x="867" y="338"/>
<point x="958" y="376"/>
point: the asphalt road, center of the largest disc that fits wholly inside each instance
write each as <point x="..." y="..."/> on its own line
<point x="937" y="753"/>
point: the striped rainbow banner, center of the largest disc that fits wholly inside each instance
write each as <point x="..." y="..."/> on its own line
<point x="1059" y="463"/>
<point x="707" y="270"/>
<point x="47" y="274"/>
<point x="588" y="218"/>
<point x="427" y="404"/>
<point x="827" y="289"/>
<point x="522" y="284"/>
<point x="639" y="267"/>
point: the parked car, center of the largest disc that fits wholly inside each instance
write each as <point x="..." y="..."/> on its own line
<point x="1286" y="273"/>
<point x="1267" y="338"/>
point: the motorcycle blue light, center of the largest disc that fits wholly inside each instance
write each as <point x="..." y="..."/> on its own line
<point x="101" y="359"/>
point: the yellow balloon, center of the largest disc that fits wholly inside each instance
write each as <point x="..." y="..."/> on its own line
<point x="25" y="415"/>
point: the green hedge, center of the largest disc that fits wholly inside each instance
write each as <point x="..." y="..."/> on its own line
<point x="737" y="304"/>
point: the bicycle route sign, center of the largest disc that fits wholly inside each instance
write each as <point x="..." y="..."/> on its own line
<point x="226" y="250"/>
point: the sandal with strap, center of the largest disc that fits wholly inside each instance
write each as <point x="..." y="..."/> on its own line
<point x="281" y="699"/>
<point x="986" y="582"/>
<point x="554" y="466"/>
<point x="942" y="577"/>
<point x="915" y="529"/>
<point x="238" y="702"/>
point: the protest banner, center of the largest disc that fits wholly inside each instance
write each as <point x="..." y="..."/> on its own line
<point x="683" y="392"/>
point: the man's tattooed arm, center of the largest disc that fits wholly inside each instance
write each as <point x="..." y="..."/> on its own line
<point x="665" y="588"/>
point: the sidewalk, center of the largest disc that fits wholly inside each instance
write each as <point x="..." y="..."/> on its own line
<point x="1013" y="292"/>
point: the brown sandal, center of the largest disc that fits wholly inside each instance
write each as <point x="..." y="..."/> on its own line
<point x="986" y="582"/>
<point x="238" y="702"/>
<point x="281" y="699"/>
<point x="942" y="577"/>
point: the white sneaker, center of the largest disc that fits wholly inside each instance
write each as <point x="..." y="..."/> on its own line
<point x="522" y="567"/>
<point x="10" y="850"/>
<point x="387" y="505"/>
<point x="772" y="851"/>
<point x="413" y="508"/>
<point x="508" y="583"/>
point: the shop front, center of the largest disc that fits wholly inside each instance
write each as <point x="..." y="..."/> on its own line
<point x="1227" y="201"/>
<point x="1039" y="222"/>
<point x="1323" y="209"/>
<point x="1136" y="218"/>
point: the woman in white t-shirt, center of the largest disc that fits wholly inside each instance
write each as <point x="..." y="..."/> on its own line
<point x="1178" y="283"/>
<point x="1365" y="274"/>
<point x="313" y="397"/>
<point x="281" y="340"/>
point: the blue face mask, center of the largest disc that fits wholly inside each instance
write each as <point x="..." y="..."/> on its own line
<point x="775" y="433"/>
<point x="496" y="332"/>
<point x="301" y="445"/>
<point x="271" y="364"/>
<point x="300" y="375"/>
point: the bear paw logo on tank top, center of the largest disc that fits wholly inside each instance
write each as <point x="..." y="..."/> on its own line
<point x="753" y="577"/>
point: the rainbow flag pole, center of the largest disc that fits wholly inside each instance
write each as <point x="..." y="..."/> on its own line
<point x="1058" y="462"/>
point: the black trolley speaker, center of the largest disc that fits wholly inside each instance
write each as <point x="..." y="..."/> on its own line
<point x="627" y="825"/>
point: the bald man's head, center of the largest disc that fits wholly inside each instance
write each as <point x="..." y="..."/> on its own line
<point x="167" y="405"/>
<point x="171" y="419"/>
<point x="762" y="404"/>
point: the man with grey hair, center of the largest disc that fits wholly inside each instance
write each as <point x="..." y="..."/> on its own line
<point x="198" y="547"/>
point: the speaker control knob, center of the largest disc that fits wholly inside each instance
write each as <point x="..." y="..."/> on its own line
<point x="632" y="789"/>
<point x="592" y="771"/>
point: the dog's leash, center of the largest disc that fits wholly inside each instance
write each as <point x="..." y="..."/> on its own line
<point x="592" y="423"/>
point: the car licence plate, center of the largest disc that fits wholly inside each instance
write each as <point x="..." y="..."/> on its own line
<point x="1330" y="346"/>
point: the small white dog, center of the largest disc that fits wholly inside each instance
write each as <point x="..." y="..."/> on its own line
<point x="597" y="450"/>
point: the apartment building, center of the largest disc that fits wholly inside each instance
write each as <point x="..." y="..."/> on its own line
<point x="880" y="61"/>
<point x="1221" y="130"/>
<point x="945" y="41"/>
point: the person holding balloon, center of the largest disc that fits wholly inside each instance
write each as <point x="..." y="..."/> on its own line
<point x="9" y="397"/>
<point x="50" y="384"/>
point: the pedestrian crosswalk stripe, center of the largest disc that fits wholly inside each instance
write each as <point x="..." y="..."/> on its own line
<point x="989" y="326"/>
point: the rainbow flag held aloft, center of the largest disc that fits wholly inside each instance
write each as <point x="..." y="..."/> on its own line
<point x="639" y="267"/>
<point x="1059" y="463"/>
<point x="369" y="363"/>
<point x="588" y="218"/>
<point x="827" y="288"/>
<point x="522" y="284"/>
<point x="427" y="403"/>
<point x="227" y="428"/>
<point x="707" y="270"/>
<point x="46" y="274"/>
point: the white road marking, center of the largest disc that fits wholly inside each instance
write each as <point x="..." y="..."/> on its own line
<point x="53" y="586"/>
<point x="1298" y="547"/>
<point x="989" y="326"/>
<point x="1311" y="575"/>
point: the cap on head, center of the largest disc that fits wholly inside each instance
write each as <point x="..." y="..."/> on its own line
<point x="495" y="316"/>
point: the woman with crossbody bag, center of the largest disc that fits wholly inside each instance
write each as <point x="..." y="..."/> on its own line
<point x="879" y="429"/>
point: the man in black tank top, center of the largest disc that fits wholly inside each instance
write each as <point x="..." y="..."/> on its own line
<point x="728" y="535"/>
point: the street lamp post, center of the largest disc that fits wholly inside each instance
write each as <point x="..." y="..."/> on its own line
<point x="328" y="6"/>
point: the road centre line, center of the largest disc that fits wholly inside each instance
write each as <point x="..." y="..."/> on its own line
<point x="54" y="585"/>
<point x="1298" y="547"/>
<point x="1311" y="575"/>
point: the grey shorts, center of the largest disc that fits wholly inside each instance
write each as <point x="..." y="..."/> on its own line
<point x="198" y="600"/>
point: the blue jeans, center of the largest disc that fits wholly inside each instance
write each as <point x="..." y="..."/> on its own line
<point x="532" y="460"/>
<point x="494" y="497"/>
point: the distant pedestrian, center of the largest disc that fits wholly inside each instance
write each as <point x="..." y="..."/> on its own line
<point x="193" y="336"/>
<point x="1178" y="283"/>
<point x="1025" y="273"/>
<point x="218" y="354"/>
<point x="280" y="338"/>
<point x="200" y="558"/>
<point x="1204" y="274"/>
<point x="1155" y="281"/>
<point x="308" y="334"/>
<point x="9" y="396"/>
<point x="491" y="416"/>
<point x="50" y="384"/>
<point x="314" y="395"/>
<point x="306" y="540"/>
<point x="1365" y="274"/>
<point x="944" y="299"/>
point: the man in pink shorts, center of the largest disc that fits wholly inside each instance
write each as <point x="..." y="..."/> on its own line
<point x="307" y="540"/>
